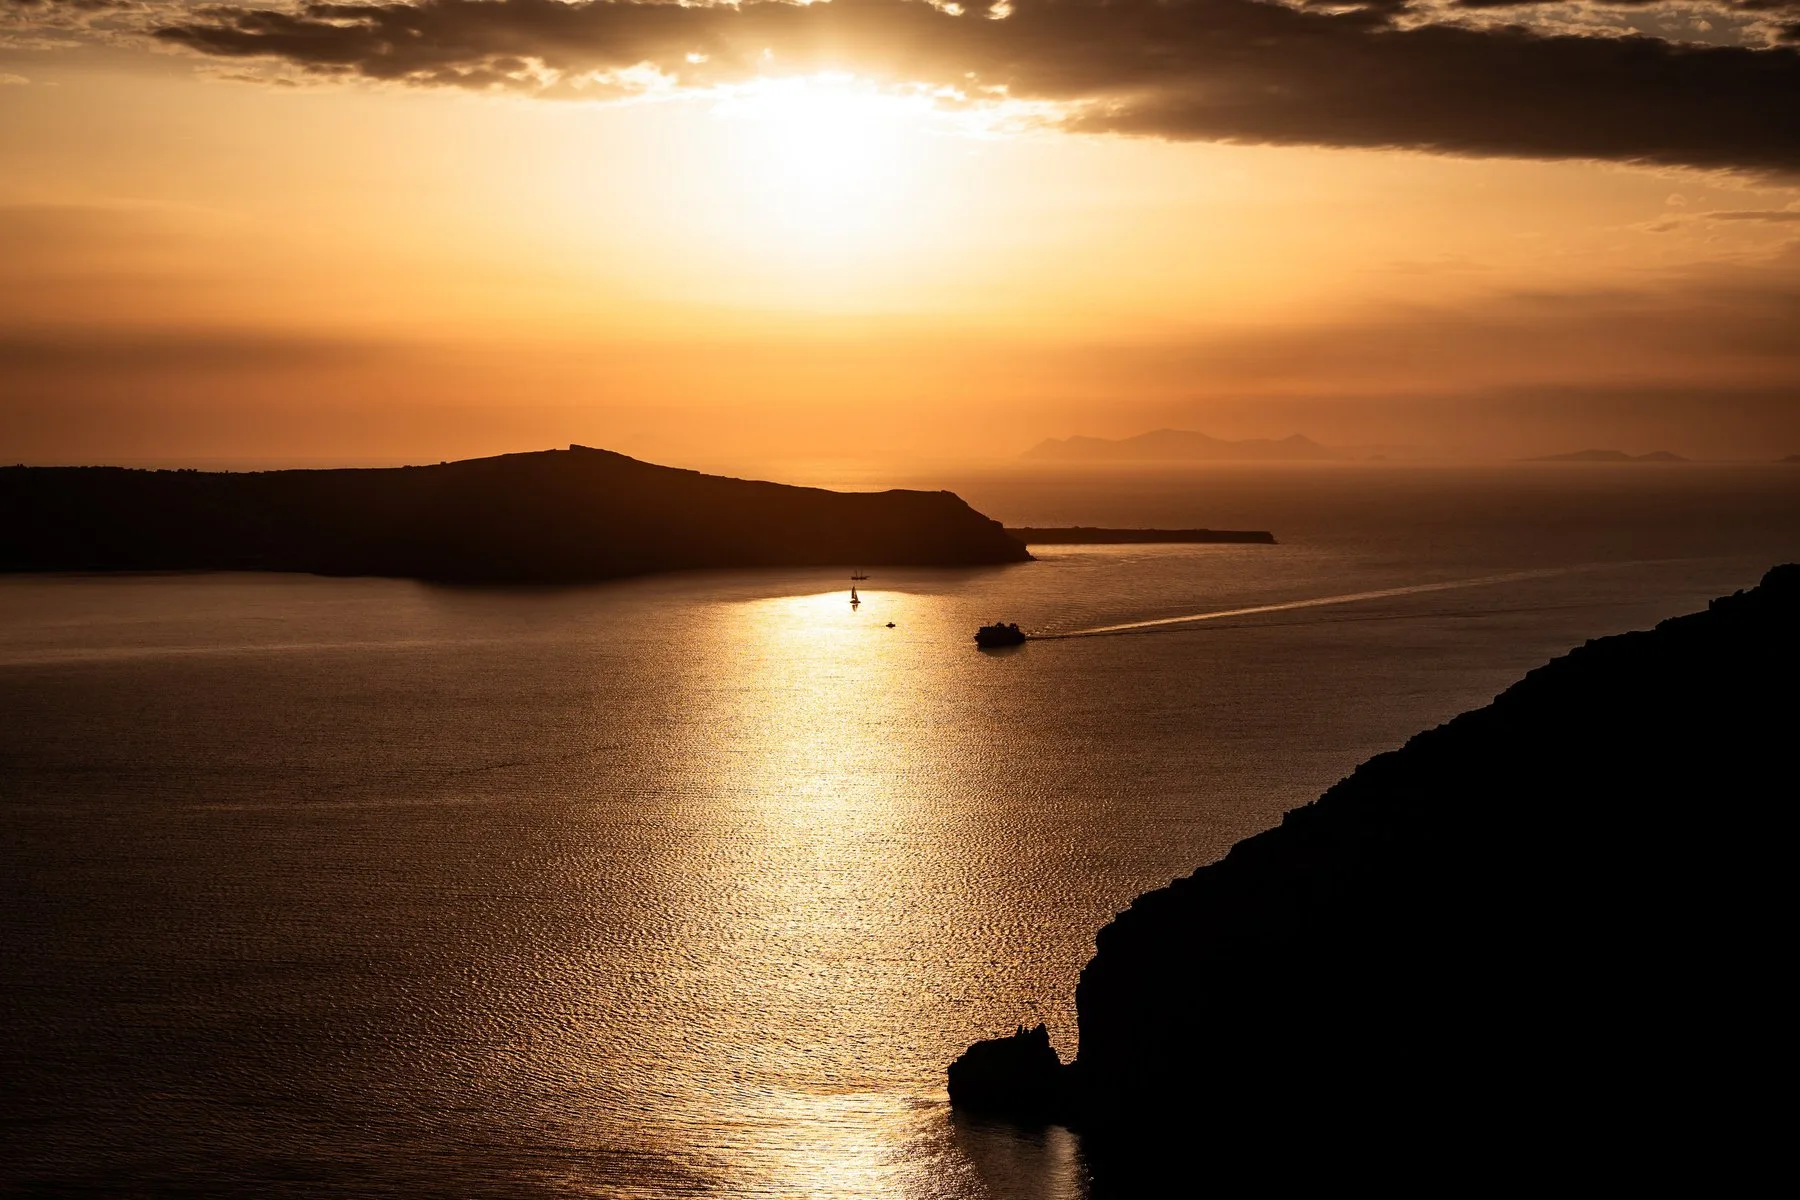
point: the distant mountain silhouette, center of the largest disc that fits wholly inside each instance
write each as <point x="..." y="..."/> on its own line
<point x="1792" y="458"/>
<point x="1544" y="938"/>
<point x="549" y="516"/>
<point x="1611" y="456"/>
<point x="1180" y="445"/>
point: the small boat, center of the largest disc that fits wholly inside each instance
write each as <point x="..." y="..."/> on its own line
<point x="999" y="635"/>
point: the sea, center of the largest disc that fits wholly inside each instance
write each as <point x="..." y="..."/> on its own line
<point x="692" y="885"/>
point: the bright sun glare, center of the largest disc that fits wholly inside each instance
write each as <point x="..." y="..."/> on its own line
<point x="826" y="153"/>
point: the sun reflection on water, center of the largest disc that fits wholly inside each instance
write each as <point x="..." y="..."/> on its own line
<point x="801" y="942"/>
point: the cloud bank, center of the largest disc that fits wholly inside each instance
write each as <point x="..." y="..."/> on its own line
<point x="1547" y="79"/>
<point x="1378" y="75"/>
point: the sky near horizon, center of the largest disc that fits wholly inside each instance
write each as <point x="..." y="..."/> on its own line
<point x="887" y="229"/>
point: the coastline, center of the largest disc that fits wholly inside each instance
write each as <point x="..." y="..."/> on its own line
<point x="1515" y="903"/>
<point x="1088" y="535"/>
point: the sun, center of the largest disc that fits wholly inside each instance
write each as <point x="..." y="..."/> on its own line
<point x="827" y="155"/>
<point x="828" y="194"/>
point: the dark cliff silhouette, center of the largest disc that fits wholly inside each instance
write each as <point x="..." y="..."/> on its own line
<point x="1547" y="935"/>
<point x="549" y="516"/>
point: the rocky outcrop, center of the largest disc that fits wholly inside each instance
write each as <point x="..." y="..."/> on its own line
<point x="1554" y="928"/>
<point x="1019" y="1076"/>
<point x="551" y="516"/>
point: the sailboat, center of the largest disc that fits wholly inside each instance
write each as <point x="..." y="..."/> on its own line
<point x="856" y="576"/>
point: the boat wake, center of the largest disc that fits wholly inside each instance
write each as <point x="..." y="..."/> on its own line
<point x="1323" y="601"/>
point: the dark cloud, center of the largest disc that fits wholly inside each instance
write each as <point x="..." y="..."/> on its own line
<point x="59" y="13"/>
<point x="1703" y="362"/>
<point x="50" y="24"/>
<point x="1742" y="6"/>
<point x="1773" y="216"/>
<point x="73" y="5"/>
<point x="1231" y="70"/>
<point x="1778" y="18"/>
<point x="103" y="351"/>
<point x="1735" y="325"/>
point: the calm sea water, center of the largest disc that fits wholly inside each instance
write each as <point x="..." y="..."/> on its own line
<point x="693" y="885"/>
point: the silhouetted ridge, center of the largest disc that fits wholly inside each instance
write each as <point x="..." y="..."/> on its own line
<point x="547" y="516"/>
<point x="1611" y="456"/>
<point x="1548" y="933"/>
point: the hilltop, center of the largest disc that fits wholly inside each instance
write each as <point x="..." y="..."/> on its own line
<point x="547" y="516"/>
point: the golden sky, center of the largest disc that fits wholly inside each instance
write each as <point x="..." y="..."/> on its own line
<point x="879" y="229"/>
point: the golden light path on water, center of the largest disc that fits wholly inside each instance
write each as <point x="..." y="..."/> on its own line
<point x="819" y="778"/>
<point x="824" y="919"/>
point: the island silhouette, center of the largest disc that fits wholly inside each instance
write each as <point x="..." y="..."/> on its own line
<point x="550" y="516"/>
<point x="1611" y="456"/>
<point x="1539" y="938"/>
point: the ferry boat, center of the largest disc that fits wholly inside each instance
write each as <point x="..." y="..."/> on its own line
<point x="998" y="634"/>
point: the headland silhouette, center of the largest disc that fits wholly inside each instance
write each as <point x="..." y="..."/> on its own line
<point x="551" y="516"/>
<point x="1543" y="936"/>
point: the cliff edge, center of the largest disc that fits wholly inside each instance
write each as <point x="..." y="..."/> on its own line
<point x="1549" y="931"/>
<point x="546" y="517"/>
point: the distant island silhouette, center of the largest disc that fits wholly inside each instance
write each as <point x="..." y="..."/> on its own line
<point x="1543" y="937"/>
<point x="1610" y="456"/>
<point x="1181" y="445"/>
<point x="549" y="516"/>
<point x="1088" y="535"/>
